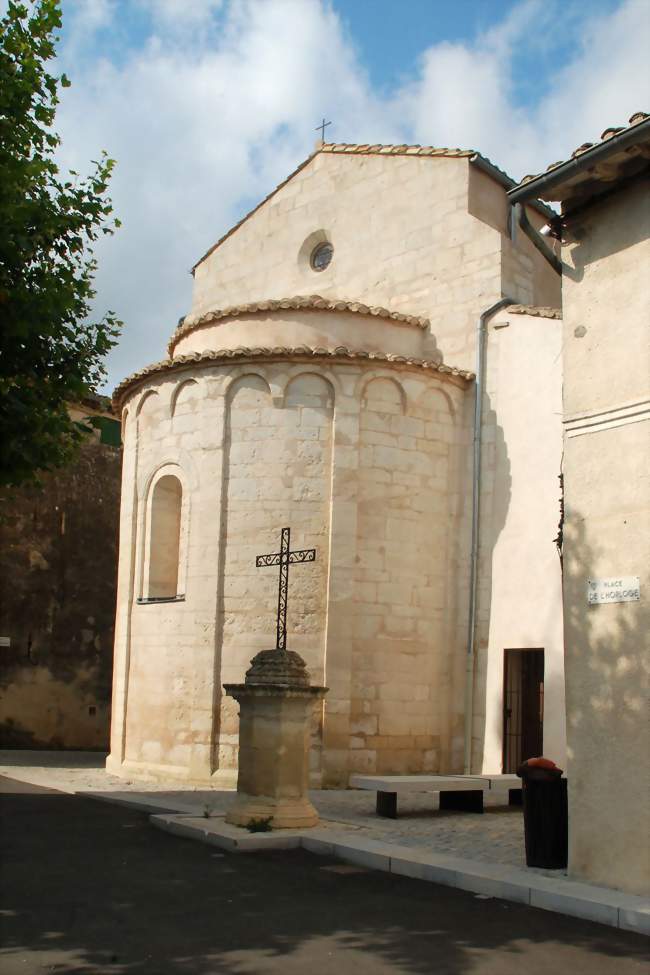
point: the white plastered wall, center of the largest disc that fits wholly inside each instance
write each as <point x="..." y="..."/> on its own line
<point x="520" y="578"/>
<point x="607" y="535"/>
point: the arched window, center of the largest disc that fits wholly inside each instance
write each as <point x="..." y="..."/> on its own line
<point x="164" y="538"/>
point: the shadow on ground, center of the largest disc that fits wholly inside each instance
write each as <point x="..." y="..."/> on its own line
<point x="90" y="887"/>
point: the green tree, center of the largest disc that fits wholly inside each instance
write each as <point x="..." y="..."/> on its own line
<point x="51" y="353"/>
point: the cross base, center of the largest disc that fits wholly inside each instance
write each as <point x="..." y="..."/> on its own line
<point x="274" y="738"/>
<point x="278" y="667"/>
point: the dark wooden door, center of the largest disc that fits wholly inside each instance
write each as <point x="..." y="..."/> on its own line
<point x="523" y="707"/>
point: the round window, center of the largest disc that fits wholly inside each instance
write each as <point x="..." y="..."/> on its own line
<point x="321" y="256"/>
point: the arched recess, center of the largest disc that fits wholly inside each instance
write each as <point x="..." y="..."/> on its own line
<point x="383" y="394"/>
<point x="434" y="402"/>
<point x="147" y="411"/>
<point x="247" y="397"/>
<point x="163" y="572"/>
<point x="249" y="386"/>
<point x="309" y="389"/>
<point x="147" y="402"/>
<point x="182" y="396"/>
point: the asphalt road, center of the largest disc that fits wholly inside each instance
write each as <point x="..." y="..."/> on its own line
<point x="89" y="887"/>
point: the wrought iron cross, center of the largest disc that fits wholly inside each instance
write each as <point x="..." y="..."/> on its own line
<point x="284" y="558"/>
<point x="322" y="128"/>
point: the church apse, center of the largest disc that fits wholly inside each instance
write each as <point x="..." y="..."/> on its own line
<point x="351" y="449"/>
<point x="401" y="581"/>
<point x="277" y="472"/>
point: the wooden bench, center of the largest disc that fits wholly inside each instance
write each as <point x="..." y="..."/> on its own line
<point x="462" y="793"/>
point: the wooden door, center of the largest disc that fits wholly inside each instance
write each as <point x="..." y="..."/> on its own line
<point x="523" y="707"/>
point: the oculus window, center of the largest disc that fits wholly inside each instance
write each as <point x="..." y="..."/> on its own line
<point x="321" y="256"/>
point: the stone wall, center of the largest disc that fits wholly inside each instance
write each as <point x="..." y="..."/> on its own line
<point x="401" y="636"/>
<point x="424" y="236"/>
<point x="375" y="472"/>
<point x="357" y="459"/>
<point x="58" y="555"/>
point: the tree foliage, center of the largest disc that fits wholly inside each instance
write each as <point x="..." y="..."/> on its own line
<point x="51" y="353"/>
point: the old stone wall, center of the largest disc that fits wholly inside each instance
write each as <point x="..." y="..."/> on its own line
<point x="401" y="635"/>
<point x="58" y="566"/>
<point x="358" y="460"/>
<point x="367" y="457"/>
<point x="424" y="236"/>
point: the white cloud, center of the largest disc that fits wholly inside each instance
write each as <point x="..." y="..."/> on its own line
<point x="218" y="102"/>
<point x="466" y="96"/>
<point x="179" y="14"/>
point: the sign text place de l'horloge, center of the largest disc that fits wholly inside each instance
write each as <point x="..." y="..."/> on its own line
<point x="623" y="589"/>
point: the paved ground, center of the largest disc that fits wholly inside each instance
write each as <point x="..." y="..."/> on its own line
<point x="495" y="837"/>
<point x="90" y="887"/>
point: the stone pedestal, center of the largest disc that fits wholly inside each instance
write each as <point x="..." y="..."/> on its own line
<point x="276" y="704"/>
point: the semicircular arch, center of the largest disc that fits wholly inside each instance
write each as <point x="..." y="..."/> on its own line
<point x="392" y="392"/>
<point x="147" y="397"/>
<point x="236" y="382"/>
<point x="180" y="388"/>
<point x="309" y="387"/>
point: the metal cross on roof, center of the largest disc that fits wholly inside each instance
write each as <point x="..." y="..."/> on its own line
<point x="323" y="125"/>
<point x="284" y="558"/>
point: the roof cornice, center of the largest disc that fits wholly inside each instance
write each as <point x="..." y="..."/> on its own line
<point x="298" y="353"/>
<point x="301" y="302"/>
<point x="613" y="140"/>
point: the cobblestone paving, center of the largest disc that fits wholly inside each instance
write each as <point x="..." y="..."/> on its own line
<point x="496" y="836"/>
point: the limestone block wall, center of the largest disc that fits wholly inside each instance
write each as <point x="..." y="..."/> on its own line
<point x="607" y="473"/>
<point x="401" y="633"/>
<point x="427" y="236"/>
<point x="357" y="458"/>
<point x="278" y="473"/>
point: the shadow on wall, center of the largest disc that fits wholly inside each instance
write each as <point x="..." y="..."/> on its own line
<point x="606" y="685"/>
<point x="621" y="233"/>
<point x="494" y="512"/>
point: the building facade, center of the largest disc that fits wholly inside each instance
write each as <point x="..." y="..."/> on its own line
<point x="324" y="380"/>
<point x="605" y="231"/>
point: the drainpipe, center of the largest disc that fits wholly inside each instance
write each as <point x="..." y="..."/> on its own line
<point x="520" y="219"/>
<point x="481" y="338"/>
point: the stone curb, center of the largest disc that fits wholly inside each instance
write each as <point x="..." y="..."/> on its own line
<point x="601" y="904"/>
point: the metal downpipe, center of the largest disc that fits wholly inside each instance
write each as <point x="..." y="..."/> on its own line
<point x="481" y="336"/>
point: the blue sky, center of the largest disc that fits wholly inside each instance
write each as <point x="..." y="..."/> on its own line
<point x="391" y="35"/>
<point x="208" y="104"/>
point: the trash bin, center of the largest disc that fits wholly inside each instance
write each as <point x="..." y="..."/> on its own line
<point x="545" y="813"/>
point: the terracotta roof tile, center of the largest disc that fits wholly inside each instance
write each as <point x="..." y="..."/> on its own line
<point x="220" y="356"/>
<point x="536" y="311"/>
<point x="609" y="133"/>
<point x="306" y="302"/>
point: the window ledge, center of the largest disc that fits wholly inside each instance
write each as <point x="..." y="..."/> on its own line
<point x="145" y="600"/>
